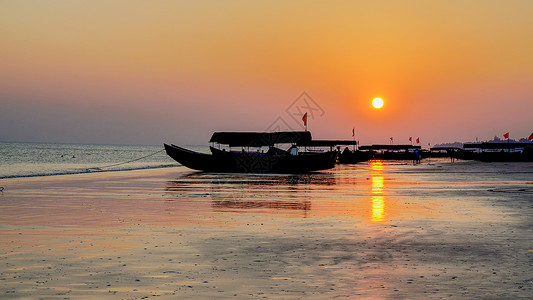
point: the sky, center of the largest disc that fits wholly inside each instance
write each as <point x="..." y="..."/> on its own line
<point x="153" y="72"/>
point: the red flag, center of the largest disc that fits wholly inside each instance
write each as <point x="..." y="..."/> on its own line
<point x="353" y="132"/>
<point x="506" y="135"/>
<point x="418" y="140"/>
<point x="410" y="139"/>
<point x="391" y="138"/>
<point x="530" y="137"/>
<point x="304" y="118"/>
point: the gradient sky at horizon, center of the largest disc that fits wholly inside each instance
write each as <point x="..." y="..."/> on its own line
<point x="148" y="72"/>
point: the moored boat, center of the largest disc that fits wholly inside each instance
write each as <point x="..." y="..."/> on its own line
<point x="347" y="156"/>
<point x="498" y="152"/>
<point x="353" y="157"/>
<point x="274" y="160"/>
<point x="394" y="152"/>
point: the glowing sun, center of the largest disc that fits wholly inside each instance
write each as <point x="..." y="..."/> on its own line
<point x="377" y="102"/>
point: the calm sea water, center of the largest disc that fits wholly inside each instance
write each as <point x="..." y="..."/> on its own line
<point x="41" y="159"/>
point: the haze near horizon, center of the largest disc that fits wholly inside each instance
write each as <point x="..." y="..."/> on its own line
<point x="148" y="72"/>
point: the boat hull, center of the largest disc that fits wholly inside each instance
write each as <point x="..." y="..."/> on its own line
<point x="274" y="161"/>
<point x="353" y="157"/>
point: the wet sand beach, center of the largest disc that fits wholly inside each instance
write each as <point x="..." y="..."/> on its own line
<point x="371" y="230"/>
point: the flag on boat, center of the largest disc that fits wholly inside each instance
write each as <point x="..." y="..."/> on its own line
<point x="391" y="138"/>
<point x="304" y="118"/>
<point x="410" y="139"/>
<point x="418" y="140"/>
<point x="353" y="132"/>
<point x="506" y="135"/>
<point x="530" y="137"/>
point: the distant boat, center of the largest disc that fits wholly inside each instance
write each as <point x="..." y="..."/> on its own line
<point x="353" y="157"/>
<point x="498" y="152"/>
<point x="442" y="151"/>
<point x="346" y="156"/>
<point x="394" y="152"/>
<point x="274" y="160"/>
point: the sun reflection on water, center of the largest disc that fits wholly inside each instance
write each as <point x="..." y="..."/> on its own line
<point x="376" y="165"/>
<point x="378" y="186"/>
<point x="378" y="208"/>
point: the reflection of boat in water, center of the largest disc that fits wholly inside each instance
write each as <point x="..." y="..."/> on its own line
<point x="240" y="192"/>
<point x="244" y="180"/>
<point x="498" y="152"/>
<point x="267" y="204"/>
<point x="275" y="160"/>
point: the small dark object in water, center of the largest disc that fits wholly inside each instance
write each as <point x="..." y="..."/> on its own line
<point x="526" y="190"/>
<point x="1" y="188"/>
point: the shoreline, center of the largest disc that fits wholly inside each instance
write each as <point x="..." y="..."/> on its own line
<point x="87" y="171"/>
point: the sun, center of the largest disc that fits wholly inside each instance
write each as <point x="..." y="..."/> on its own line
<point x="377" y="102"/>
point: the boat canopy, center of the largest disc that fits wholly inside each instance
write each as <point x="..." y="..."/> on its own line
<point x="390" y="147"/>
<point x="439" y="148"/>
<point x="326" y="143"/>
<point x="259" y="139"/>
<point x="501" y="145"/>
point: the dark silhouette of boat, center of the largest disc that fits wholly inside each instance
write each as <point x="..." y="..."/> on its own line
<point x="275" y="160"/>
<point x="441" y="151"/>
<point x="347" y="156"/>
<point x="497" y="152"/>
<point x="394" y="152"/>
<point x="352" y="157"/>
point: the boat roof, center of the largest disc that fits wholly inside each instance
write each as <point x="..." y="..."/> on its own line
<point x="390" y="147"/>
<point x="504" y="145"/>
<point x="438" y="148"/>
<point x="326" y="143"/>
<point x="258" y="139"/>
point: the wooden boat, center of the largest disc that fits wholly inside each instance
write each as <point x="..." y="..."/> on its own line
<point x="394" y="152"/>
<point x="440" y="151"/>
<point x="498" y="152"/>
<point x="346" y="156"/>
<point x="275" y="160"/>
<point x="353" y="157"/>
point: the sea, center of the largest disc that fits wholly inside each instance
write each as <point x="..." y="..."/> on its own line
<point x="46" y="159"/>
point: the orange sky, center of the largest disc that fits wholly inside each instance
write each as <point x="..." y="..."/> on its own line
<point x="148" y="72"/>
